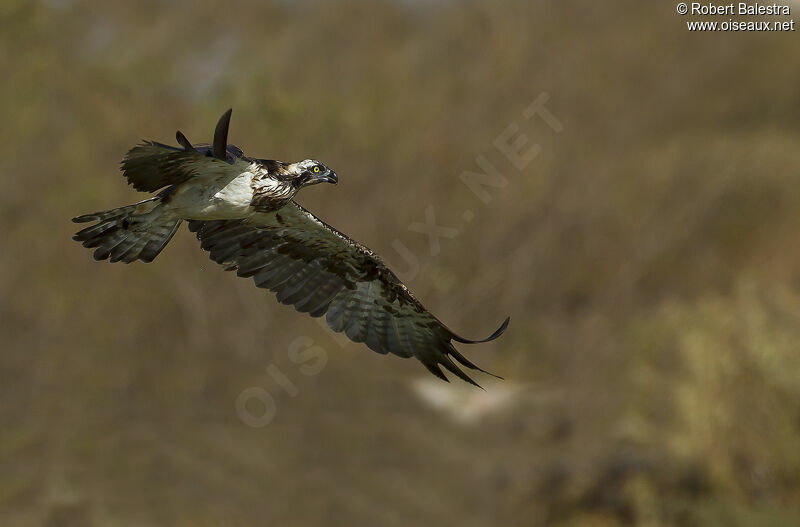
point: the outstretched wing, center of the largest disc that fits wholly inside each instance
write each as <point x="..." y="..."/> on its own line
<point x="321" y="271"/>
<point x="151" y="165"/>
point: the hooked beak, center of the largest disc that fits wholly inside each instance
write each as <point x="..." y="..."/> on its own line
<point x="329" y="176"/>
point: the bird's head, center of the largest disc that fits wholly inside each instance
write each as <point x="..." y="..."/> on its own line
<point x="310" y="172"/>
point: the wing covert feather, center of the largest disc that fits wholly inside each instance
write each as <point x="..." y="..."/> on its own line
<point x="321" y="271"/>
<point x="151" y="166"/>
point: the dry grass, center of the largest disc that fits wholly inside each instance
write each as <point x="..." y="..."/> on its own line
<point x="648" y="257"/>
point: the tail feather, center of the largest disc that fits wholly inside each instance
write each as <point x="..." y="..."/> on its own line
<point x="130" y="249"/>
<point x="130" y="233"/>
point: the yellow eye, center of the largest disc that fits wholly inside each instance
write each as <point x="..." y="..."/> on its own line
<point x="316" y="169"/>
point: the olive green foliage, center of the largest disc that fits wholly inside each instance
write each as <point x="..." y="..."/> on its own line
<point x="648" y="257"/>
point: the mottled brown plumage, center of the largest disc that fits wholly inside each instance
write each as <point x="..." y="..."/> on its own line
<point x="271" y="187"/>
<point x="243" y="213"/>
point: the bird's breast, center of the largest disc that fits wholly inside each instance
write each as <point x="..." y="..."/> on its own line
<point x="236" y="193"/>
<point x="270" y="194"/>
<point x="220" y="199"/>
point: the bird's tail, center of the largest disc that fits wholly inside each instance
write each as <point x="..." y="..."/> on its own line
<point x="134" y="232"/>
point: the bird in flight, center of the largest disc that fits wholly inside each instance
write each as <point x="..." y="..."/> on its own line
<point x="243" y="212"/>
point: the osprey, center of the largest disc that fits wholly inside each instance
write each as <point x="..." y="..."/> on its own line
<point x="244" y="214"/>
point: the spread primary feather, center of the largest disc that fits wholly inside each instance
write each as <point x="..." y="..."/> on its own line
<point x="244" y="215"/>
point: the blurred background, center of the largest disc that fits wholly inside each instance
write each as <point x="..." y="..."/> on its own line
<point x="648" y="255"/>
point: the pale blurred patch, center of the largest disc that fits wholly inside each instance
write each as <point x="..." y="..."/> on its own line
<point x="465" y="404"/>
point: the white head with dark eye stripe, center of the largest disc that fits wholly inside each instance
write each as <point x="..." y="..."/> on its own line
<point x="310" y="172"/>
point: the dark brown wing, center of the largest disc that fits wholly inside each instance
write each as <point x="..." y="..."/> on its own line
<point x="320" y="271"/>
<point x="151" y="166"/>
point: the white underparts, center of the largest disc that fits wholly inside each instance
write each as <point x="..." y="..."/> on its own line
<point x="220" y="199"/>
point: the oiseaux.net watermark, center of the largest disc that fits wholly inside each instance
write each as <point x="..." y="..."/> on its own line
<point x="512" y="152"/>
<point x="741" y="16"/>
